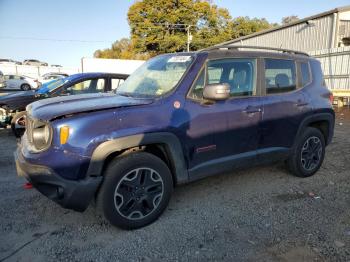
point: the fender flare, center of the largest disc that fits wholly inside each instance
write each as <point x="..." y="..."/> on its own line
<point x="329" y="117"/>
<point x="172" y="143"/>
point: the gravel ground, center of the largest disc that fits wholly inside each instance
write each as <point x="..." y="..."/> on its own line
<point x="260" y="214"/>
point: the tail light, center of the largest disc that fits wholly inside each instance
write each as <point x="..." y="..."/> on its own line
<point x="331" y="98"/>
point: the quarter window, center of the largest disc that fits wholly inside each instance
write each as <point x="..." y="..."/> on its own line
<point x="197" y="90"/>
<point x="279" y="76"/>
<point x="305" y="73"/>
<point x="116" y="82"/>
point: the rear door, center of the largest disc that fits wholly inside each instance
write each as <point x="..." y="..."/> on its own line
<point x="12" y="82"/>
<point x="283" y="106"/>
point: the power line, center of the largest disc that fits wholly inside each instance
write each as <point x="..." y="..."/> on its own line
<point x="55" y="40"/>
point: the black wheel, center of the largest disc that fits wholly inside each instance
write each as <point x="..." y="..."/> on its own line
<point x="135" y="191"/>
<point x="18" y="124"/>
<point x="25" y="87"/>
<point x="308" y="153"/>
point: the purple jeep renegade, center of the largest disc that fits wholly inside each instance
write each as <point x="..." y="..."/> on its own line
<point x="178" y="118"/>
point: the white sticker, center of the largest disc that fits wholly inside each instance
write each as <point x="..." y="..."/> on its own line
<point x="179" y="59"/>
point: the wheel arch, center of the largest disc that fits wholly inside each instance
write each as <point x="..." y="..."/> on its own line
<point x="322" y="121"/>
<point x="166" y="146"/>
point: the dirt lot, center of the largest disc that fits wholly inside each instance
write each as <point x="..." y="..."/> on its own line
<point x="260" y="214"/>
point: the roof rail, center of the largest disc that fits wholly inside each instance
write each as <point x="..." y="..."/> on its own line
<point x="228" y="46"/>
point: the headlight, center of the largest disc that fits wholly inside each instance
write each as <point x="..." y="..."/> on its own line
<point x="41" y="136"/>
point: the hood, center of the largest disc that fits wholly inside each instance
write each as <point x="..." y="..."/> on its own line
<point x="16" y="95"/>
<point x="51" y="108"/>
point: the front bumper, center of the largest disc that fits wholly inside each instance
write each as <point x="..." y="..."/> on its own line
<point x="69" y="194"/>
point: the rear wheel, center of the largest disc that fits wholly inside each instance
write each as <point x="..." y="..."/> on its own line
<point x="135" y="191"/>
<point x="25" y="87"/>
<point x="308" y="153"/>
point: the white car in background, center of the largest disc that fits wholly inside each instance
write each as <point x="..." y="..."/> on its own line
<point x="34" y="62"/>
<point x="21" y="82"/>
<point x="9" y="62"/>
<point x="51" y="76"/>
<point x="2" y="80"/>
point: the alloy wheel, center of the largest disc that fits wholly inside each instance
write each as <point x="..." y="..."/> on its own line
<point x="138" y="193"/>
<point x="311" y="153"/>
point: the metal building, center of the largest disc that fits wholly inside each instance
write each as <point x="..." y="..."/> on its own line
<point x="325" y="36"/>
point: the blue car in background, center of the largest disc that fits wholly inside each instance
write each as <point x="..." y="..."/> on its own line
<point x="12" y="106"/>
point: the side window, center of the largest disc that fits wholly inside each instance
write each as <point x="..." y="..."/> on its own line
<point x="238" y="73"/>
<point x="305" y="73"/>
<point x="197" y="89"/>
<point x="214" y="75"/>
<point x="279" y="76"/>
<point x="116" y="82"/>
<point x="87" y="86"/>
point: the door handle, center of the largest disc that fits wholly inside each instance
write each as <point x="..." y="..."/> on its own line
<point x="252" y="110"/>
<point x="301" y="104"/>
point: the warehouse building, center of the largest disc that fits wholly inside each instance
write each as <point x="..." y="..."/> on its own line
<point x="325" y="36"/>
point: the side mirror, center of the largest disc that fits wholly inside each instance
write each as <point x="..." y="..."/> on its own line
<point x="217" y="92"/>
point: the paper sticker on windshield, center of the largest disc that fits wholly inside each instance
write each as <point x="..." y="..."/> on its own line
<point x="180" y="59"/>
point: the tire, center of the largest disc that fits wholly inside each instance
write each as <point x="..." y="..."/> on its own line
<point x="144" y="180"/>
<point x="307" y="154"/>
<point x="17" y="127"/>
<point x="25" y="87"/>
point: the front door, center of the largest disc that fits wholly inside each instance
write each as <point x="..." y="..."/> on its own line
<point x="223" y="134"/>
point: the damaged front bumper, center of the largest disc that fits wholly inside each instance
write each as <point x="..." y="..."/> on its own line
<point x="70" y="194"/>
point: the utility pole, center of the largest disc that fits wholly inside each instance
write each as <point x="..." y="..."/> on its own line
<point x="189" y="37"/>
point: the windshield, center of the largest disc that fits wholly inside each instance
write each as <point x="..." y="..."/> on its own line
<point x="156" y="77"/>
<point x="52" y="85"/>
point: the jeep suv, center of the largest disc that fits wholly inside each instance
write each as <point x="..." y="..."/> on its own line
<point x="178" y="118"/>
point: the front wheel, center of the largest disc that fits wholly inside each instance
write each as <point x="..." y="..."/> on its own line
<point x="135" y="191"/>
<point x="308" y="153"/>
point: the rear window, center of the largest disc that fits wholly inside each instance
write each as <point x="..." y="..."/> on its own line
<point x="305" y="73"/>
<point x="280" y="76"/>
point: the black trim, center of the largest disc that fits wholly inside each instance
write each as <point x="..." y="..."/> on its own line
<point x="238" y="161"/>
<point x="329" y="117"/>
<point x="69" y="194"/>
<point x="172" y="143"/>
<point x="223" y="164"/>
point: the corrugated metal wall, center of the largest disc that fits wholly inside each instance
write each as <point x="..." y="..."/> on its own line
<point x="336" y="67"/>
<point x="315" y="36"/>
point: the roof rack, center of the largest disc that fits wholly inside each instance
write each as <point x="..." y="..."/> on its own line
<point x="228" y="46"/>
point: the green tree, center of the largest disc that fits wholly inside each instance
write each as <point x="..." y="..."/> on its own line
<point x="159" y="26"/>
<point x="243" y="26"/>
<point x="121" y="49"/>
<point x="162" y="26"/>
<point x="289" y="19"/>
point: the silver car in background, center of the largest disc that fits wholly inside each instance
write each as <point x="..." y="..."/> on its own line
<point x="34" y="62"/>
<point x="9" y="62"/>
<point x="2" y="80"/>
<point x="21" y="82"/>
<point x="51" y="76"/>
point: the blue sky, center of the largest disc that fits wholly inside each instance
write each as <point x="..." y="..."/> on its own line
<point x="102" y="22"/>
